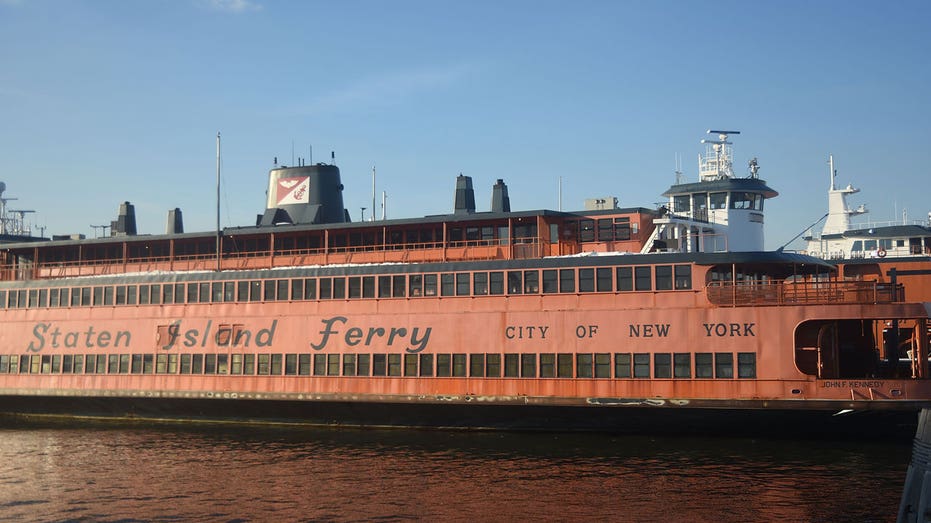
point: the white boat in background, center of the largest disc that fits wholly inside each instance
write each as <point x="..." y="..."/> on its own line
<point x="842" y="240"/>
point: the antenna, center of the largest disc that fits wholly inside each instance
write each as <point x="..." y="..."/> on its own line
<point x="373" y="193"/>
<point x="678" y="169"/>
<point x="384" y="205"/>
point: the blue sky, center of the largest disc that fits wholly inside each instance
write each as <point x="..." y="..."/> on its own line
<point x="105" y="101"/>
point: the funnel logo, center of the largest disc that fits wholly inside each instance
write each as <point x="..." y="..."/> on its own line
<point x="293" y="190"/>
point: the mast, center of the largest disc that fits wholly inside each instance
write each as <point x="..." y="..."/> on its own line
<point x="218" y="201"/>
<point x="373" y="193"/>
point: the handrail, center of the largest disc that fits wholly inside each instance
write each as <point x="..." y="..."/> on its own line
<point x="742" y="294"/>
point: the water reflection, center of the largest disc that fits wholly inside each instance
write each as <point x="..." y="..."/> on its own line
<point x="224" y="473"/>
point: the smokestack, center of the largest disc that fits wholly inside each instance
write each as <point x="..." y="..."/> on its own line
<point x="465" y="195"/>
<point x="175" y="223"/>
<point x="499" y="197"/>
<point x="125" y="223"/>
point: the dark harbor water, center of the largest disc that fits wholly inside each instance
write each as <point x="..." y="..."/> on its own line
<point x="233" y="473"/>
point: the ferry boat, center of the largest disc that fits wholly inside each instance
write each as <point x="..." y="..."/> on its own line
<point x="617" y="319"/>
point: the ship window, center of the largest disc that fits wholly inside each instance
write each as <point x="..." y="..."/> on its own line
<point x="550" y="281"/>
<point x="719" y="200"/>
<point x="210" y="364"/>
<point x="410" y="364"/>
<point x="566" y="280"/>
<point x="514" y="282"/>
<point x="622" y="228"/>
<point x="885" y="243"/>
<point x="459" y="365"/>
<point x="355" y="287"/>
<point x="255" y="290"/>
<point x="704" y="365"/>
<point x="641" y="365"/>
<point x="137" y="364"/>
<point x="56" y="363"/>
<point x="191" y="293"/>
<point x="683" y="277"/>
<point x="362" y="365"/>
<point x="398" y="285"/>
<point x="172" y="363"/>
<point x="496" y="283"/>
<point x="297" y="289"/>
<point x="426" y="364"/>
<point x="480" y="283"/>
<point x="384" y="286"/>
<point x="622" y="365"/>
<point x="746" y="365"/>
<point x="547" y="365"/>
<point x="368" y="286"/>
<point x="742" y="200"/>
<point x="319" y="364"/>
<point x="528" y="365"/>
<point x="429" y="284"/>
<point x="472" y="233"/>
<point x="64" y="297"/>
<point x="185" y="363"/>
<point x="664" y="277"/>
<point x="113" y="364"/>
<point x="197" y="364"/>
<point x="204" y="292"/>
<point x="5" y="364"/>
<point x="67" y="364"/>
<point x="723" y="365"/>
<point x="606" y="230"/>
<point x="216" y="292"/>
<point x="78" y="364"/>
<point x="603" y="282"/>
<point x="662" y="365"/>
<point x="503" y="235"/>
<point x="682" y="365"/>
<point x="642" y="278"/>
<point x="349" y="364"/>
<point x="242" y="291"/>
<point x="85" y="296"/>
<point x="511" y="362"/>
<point x="583" y="366"/>
<point x="625" y="278"/>
<point x="326" y="288"/>
<point x="446" y="284"/>
<point x="143" y="295"/>
<point x="587" y="230"/>
<point x="869" y="245"/>
<point x="290" y="364"/>
<point x="379" y="365"/>
<point x="444" y="367"/>
<point x="3" y="298"/>
<point x="36" y="360"/>
<point x="394" y="364"/>
<point x="43" y="297"/>
<point x="303" y="364"/>
<point x="414" y="282"/>
<point x="586" y="280"/>
<point x="564" y="365"/>
<point x="264" y="364"/>
<point x="227" y="292"/>
<point x="310" y="289"/>
<point x="493" y="365"/>
<point x="248" y="364"/>
<point x="161" y="364"/>
<point x="531" y="282"/>
<point x="900" y="243"/>
<point x="680" y="204"/>
<point x="602" y="365"/>
<point x="53" y="296"/>
<point x="270" y="290"/>
<point x="24" y="365"/>
<point x="857" y="246"/>
<point x="476" y="365"/>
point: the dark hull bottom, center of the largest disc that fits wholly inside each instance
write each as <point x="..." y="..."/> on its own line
<point x="651" y="420"/>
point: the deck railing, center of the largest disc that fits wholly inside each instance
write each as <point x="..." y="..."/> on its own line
<point x="743" y="294"/>
<point x="468" y="250"/>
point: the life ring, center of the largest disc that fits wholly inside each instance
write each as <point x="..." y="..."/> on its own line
<point x="881" y="253"/>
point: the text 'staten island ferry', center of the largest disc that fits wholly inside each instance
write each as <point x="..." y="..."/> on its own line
<point x="620" y="319"/>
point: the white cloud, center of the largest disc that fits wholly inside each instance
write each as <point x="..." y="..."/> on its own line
<point x="228" y="6"/>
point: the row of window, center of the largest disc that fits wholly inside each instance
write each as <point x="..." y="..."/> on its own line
<point x="547" y="281"/>
<point x="703" y="365"/>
